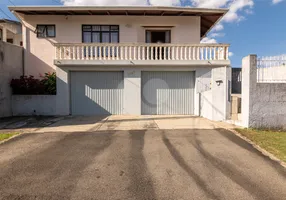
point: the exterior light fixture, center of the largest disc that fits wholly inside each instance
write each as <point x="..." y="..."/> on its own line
<point x="219" y="82"/>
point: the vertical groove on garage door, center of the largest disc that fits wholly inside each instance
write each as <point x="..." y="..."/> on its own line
<point x="97" y="93"/>
<point x="168" y="93"/>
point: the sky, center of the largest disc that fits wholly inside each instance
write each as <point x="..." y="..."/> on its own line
<point x="250" y="27"/>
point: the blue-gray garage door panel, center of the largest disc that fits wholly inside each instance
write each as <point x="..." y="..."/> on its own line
<point x="97" y="93"/>
<point x="167" y="93"/>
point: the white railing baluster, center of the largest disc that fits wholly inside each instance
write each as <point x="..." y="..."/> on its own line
<point x="100" y="52"/>
<point x="177" y="53"/>
<point x="112" y="53"/>
<point x="125" y="52"/>
<point x="215" y="53"/>
<point x="148" y="51"/>
<point x="117" y="53"/>
<point x="130" y="53"/>
<point x="139" y="53"/>
<point x="69" y="53"/>
<point x="82" y="52"/>
<point x="64" y="53"/>
<point x="185" y="53"/>
<point x="87" y="53"/>
<point x="95" y="53"/>
<point x="60" y="53"/>
<point x="91" y="53"/>
<point x="156" y="53"/>
<point x="134" y="52"/>
<point x="104" y="53"/>
<point x="143" y="52"/>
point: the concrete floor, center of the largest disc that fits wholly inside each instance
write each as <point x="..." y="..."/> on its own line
<point x="107" y="162"/>
<point x="76" y="124"/>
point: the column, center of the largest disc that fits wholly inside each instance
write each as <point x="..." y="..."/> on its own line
<point x="4" y="32"/>
<point x="132" y="92"/>
<point x="249" y="80"/>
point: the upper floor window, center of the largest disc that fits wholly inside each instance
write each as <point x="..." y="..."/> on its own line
<point x="100" y="33"/>
<point x="46" y="31"/>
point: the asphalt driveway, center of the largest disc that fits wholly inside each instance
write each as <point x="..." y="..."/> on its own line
<point x="183" y="164"/>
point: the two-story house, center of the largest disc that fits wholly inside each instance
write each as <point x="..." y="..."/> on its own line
<point x="129" y="60"/>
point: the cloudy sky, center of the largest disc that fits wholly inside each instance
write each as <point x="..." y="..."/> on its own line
<point x="251" y="26"/>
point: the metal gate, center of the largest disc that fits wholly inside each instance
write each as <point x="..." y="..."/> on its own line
<point x="97" y="93"/>
<point x="167" y="93"/>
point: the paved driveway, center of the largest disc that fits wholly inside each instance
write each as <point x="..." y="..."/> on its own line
<point x="202" y="162"/>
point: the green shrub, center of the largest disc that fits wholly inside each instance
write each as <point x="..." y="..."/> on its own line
<point x="49" y="81"/>
<point x="28" y="85"/>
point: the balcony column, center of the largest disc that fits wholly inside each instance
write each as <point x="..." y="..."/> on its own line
<point x="4" y="34"/>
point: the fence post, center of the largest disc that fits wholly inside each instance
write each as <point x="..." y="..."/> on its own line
<point x="249" y="81"/>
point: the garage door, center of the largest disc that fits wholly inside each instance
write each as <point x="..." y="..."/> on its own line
<point x="167" y="93"/>
<point x="97" y="93"/>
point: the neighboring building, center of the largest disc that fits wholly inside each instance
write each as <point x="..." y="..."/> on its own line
<point x="129" y="60"/>
<point x="236" y="81"/>
<point x="11" y="31"/>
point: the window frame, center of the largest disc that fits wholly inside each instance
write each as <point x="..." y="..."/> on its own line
<point x="45" y="30"/>
<point x="100" y="32"/>
<point x="158" y="30"/>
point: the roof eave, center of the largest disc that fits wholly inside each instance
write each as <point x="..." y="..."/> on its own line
<point x="43" y="8"/>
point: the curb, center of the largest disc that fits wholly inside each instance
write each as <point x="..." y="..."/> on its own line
<point x="10" y="138"/>
<point x="257" y="147"/>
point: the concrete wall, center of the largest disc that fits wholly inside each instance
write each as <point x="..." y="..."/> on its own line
<point x="69" y="30"/>
<point x="11" y="66"/>
<point x="263" y="104"/>
<point x="26" y="105"/>
<point x="214" y="107"/>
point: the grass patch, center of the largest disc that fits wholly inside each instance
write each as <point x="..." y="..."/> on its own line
<point x="4" y="136"/>
<point x="272" y="141"/>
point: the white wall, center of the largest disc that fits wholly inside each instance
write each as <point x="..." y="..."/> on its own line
<point x="26" y="105"/>
<point x="69" y="30"/>
<point x="220" y="93"/>
<point x="132" y="85"/>
<point x="263" y="104"/>
<point x="213" y="107"/>
<point x="10" y="67"/>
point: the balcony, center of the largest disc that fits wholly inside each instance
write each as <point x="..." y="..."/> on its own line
<point x="141" y="54"/>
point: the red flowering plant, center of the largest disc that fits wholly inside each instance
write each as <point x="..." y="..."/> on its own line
<point x="28" y="85"/>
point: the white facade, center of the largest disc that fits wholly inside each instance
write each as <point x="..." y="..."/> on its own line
<point x="66" y="54"/>
<point x="216" y="107"/>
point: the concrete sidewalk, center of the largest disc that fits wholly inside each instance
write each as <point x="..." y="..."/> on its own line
<point x="80" y="123"/>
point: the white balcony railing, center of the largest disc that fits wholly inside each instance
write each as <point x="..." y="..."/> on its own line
<point x="148" y="52"/>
